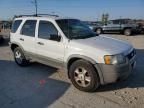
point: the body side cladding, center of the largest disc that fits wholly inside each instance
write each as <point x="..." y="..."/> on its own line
<point x="46" y="60"/>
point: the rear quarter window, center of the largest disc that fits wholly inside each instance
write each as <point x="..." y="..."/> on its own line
<point x="15" y="25"/>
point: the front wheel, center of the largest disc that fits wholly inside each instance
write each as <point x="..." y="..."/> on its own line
<point x="84" y="76"/>
<point x="19" y="57"/>
<point x="99" y="31"/>
<point x="127" y="32"/>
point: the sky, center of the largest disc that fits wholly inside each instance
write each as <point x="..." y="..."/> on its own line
<point x="81" y="9"/>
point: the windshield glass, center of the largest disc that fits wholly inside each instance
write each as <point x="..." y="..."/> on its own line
<point x="75" y="29"/>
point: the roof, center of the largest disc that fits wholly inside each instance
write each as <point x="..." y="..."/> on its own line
<point x="51" y="17"/>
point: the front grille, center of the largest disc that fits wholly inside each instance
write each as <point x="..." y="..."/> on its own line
<point x="131" y="55"/>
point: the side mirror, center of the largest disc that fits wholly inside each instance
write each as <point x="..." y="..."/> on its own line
<point x="55" y="37"/>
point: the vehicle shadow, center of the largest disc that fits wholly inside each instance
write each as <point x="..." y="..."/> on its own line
<point x="29" y="87"/>
<point x="135" y="80"/>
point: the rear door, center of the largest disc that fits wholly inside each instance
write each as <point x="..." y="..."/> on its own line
<point x="28" y="36"/>
<point x="116" y="26"/>
<point x="14" y="34"/>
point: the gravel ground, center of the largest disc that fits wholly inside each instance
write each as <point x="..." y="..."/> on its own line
<point x="40" y="86"/>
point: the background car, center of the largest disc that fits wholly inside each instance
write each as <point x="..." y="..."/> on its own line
<point x="95" y="26"/>
<point x="123" y="26"/>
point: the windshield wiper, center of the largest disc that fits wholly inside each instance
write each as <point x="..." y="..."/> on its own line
<point x="81" y="37"/>
<point x="91" y="35"/>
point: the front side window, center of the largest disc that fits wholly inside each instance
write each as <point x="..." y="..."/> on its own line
<point x="75" y="29"/>
<point x="15" y="25"/>
<point x="46" y="29"/>
<point x="28" y="28"/>
<point x="116" y="21"/>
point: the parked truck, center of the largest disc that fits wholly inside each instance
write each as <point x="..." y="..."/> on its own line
<point x="123" y="26"/>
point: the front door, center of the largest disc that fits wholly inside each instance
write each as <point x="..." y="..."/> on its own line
<point x="48" y="49"/>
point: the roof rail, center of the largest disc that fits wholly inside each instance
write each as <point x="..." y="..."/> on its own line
<point x="47" y="15"/>
<point x="36" y="15"/>
<point x="17" y="16"/>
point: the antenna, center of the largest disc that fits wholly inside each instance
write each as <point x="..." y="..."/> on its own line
<point x="36" y="6"/>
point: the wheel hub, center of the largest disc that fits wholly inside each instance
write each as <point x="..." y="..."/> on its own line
<point x="18" y="56"/>
<point x="82" y="77"/>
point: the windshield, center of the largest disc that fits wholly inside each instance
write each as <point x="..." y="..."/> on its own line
<point x="75" y="29"/>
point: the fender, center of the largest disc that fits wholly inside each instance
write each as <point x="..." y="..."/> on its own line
<point x="16" y="43"/>
<point x="95" y="64"/>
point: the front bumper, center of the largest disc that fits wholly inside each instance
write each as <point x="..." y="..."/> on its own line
<point x="114" y="73"/>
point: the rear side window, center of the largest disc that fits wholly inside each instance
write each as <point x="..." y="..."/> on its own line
<point x="28" y="28"/>
<point x="15" y="25"/>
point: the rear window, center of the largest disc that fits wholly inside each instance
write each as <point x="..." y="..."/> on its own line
<point x="28" y="28"/>
<point x="15" y="25"/>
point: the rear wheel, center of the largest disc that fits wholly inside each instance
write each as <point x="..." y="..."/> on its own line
<point x="83" y="76"/>
<point x="99" y="31"/>
<point x="19" y="57"/>
<point x="127" y="32"/>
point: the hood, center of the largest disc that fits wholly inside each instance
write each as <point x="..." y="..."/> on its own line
<point x="106" y="44"/>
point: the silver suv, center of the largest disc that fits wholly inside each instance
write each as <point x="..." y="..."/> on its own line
<point x="90" y="60"/>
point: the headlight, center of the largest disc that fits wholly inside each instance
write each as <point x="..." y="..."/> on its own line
<point x="114" y="59"/>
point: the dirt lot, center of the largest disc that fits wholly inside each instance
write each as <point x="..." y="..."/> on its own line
<point x="40" y="86"/>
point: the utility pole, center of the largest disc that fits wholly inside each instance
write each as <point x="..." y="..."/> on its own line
<point x="36" y="6"/>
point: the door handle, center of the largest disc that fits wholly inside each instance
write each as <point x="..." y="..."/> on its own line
<point x="21" y="39"/>
<point x="40" y="43"/>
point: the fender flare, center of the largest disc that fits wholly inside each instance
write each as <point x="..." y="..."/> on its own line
<point x="93" y="62"/>
<point x="11" y="43"/>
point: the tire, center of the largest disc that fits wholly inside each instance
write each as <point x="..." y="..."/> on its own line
<point x="98" y="31"/>
<point x="127" y="32"/>
<point x="84" y="76"/>
<point x="19" y="57"/>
